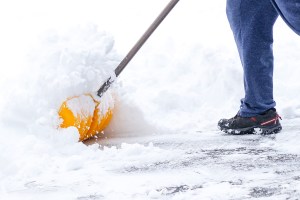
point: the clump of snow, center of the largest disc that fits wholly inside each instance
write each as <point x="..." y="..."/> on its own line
<point x="63" y="65"/>
<point x="83" y="104"/>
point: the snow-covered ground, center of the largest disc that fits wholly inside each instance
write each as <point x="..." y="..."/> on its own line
<point x="163" y="142"/>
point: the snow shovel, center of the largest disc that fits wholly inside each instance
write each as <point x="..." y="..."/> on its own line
<point x="84" y="112"/>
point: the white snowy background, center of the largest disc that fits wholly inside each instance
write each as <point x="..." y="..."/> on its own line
<point x="163" y="142"/>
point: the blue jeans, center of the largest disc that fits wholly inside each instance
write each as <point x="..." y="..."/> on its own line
<point x="252" y="24"/>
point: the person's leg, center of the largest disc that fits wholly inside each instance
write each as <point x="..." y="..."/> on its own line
<point x="289" y="10"/>
<point x="252" y="24"/>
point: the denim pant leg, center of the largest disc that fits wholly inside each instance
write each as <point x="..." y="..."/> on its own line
<point x="289" y="10"/>
<point x="252" y="24"/>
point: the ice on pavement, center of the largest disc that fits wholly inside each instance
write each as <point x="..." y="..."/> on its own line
<point x="163" y="142"/>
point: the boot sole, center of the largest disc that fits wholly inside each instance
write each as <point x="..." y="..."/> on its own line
<point x="262" y="130"/>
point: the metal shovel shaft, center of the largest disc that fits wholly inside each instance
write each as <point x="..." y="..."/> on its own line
<point x="138" y="45"/>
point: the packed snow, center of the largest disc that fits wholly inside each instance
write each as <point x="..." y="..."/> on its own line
<point x="163" y="142"/>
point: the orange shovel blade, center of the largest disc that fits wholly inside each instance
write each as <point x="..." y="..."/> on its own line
<point x="83" y="113"/>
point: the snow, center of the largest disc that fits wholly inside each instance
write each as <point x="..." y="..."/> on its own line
<point x="163" y="142"/>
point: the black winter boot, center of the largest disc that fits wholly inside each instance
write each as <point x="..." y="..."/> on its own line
<point x="264" y="123"/>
